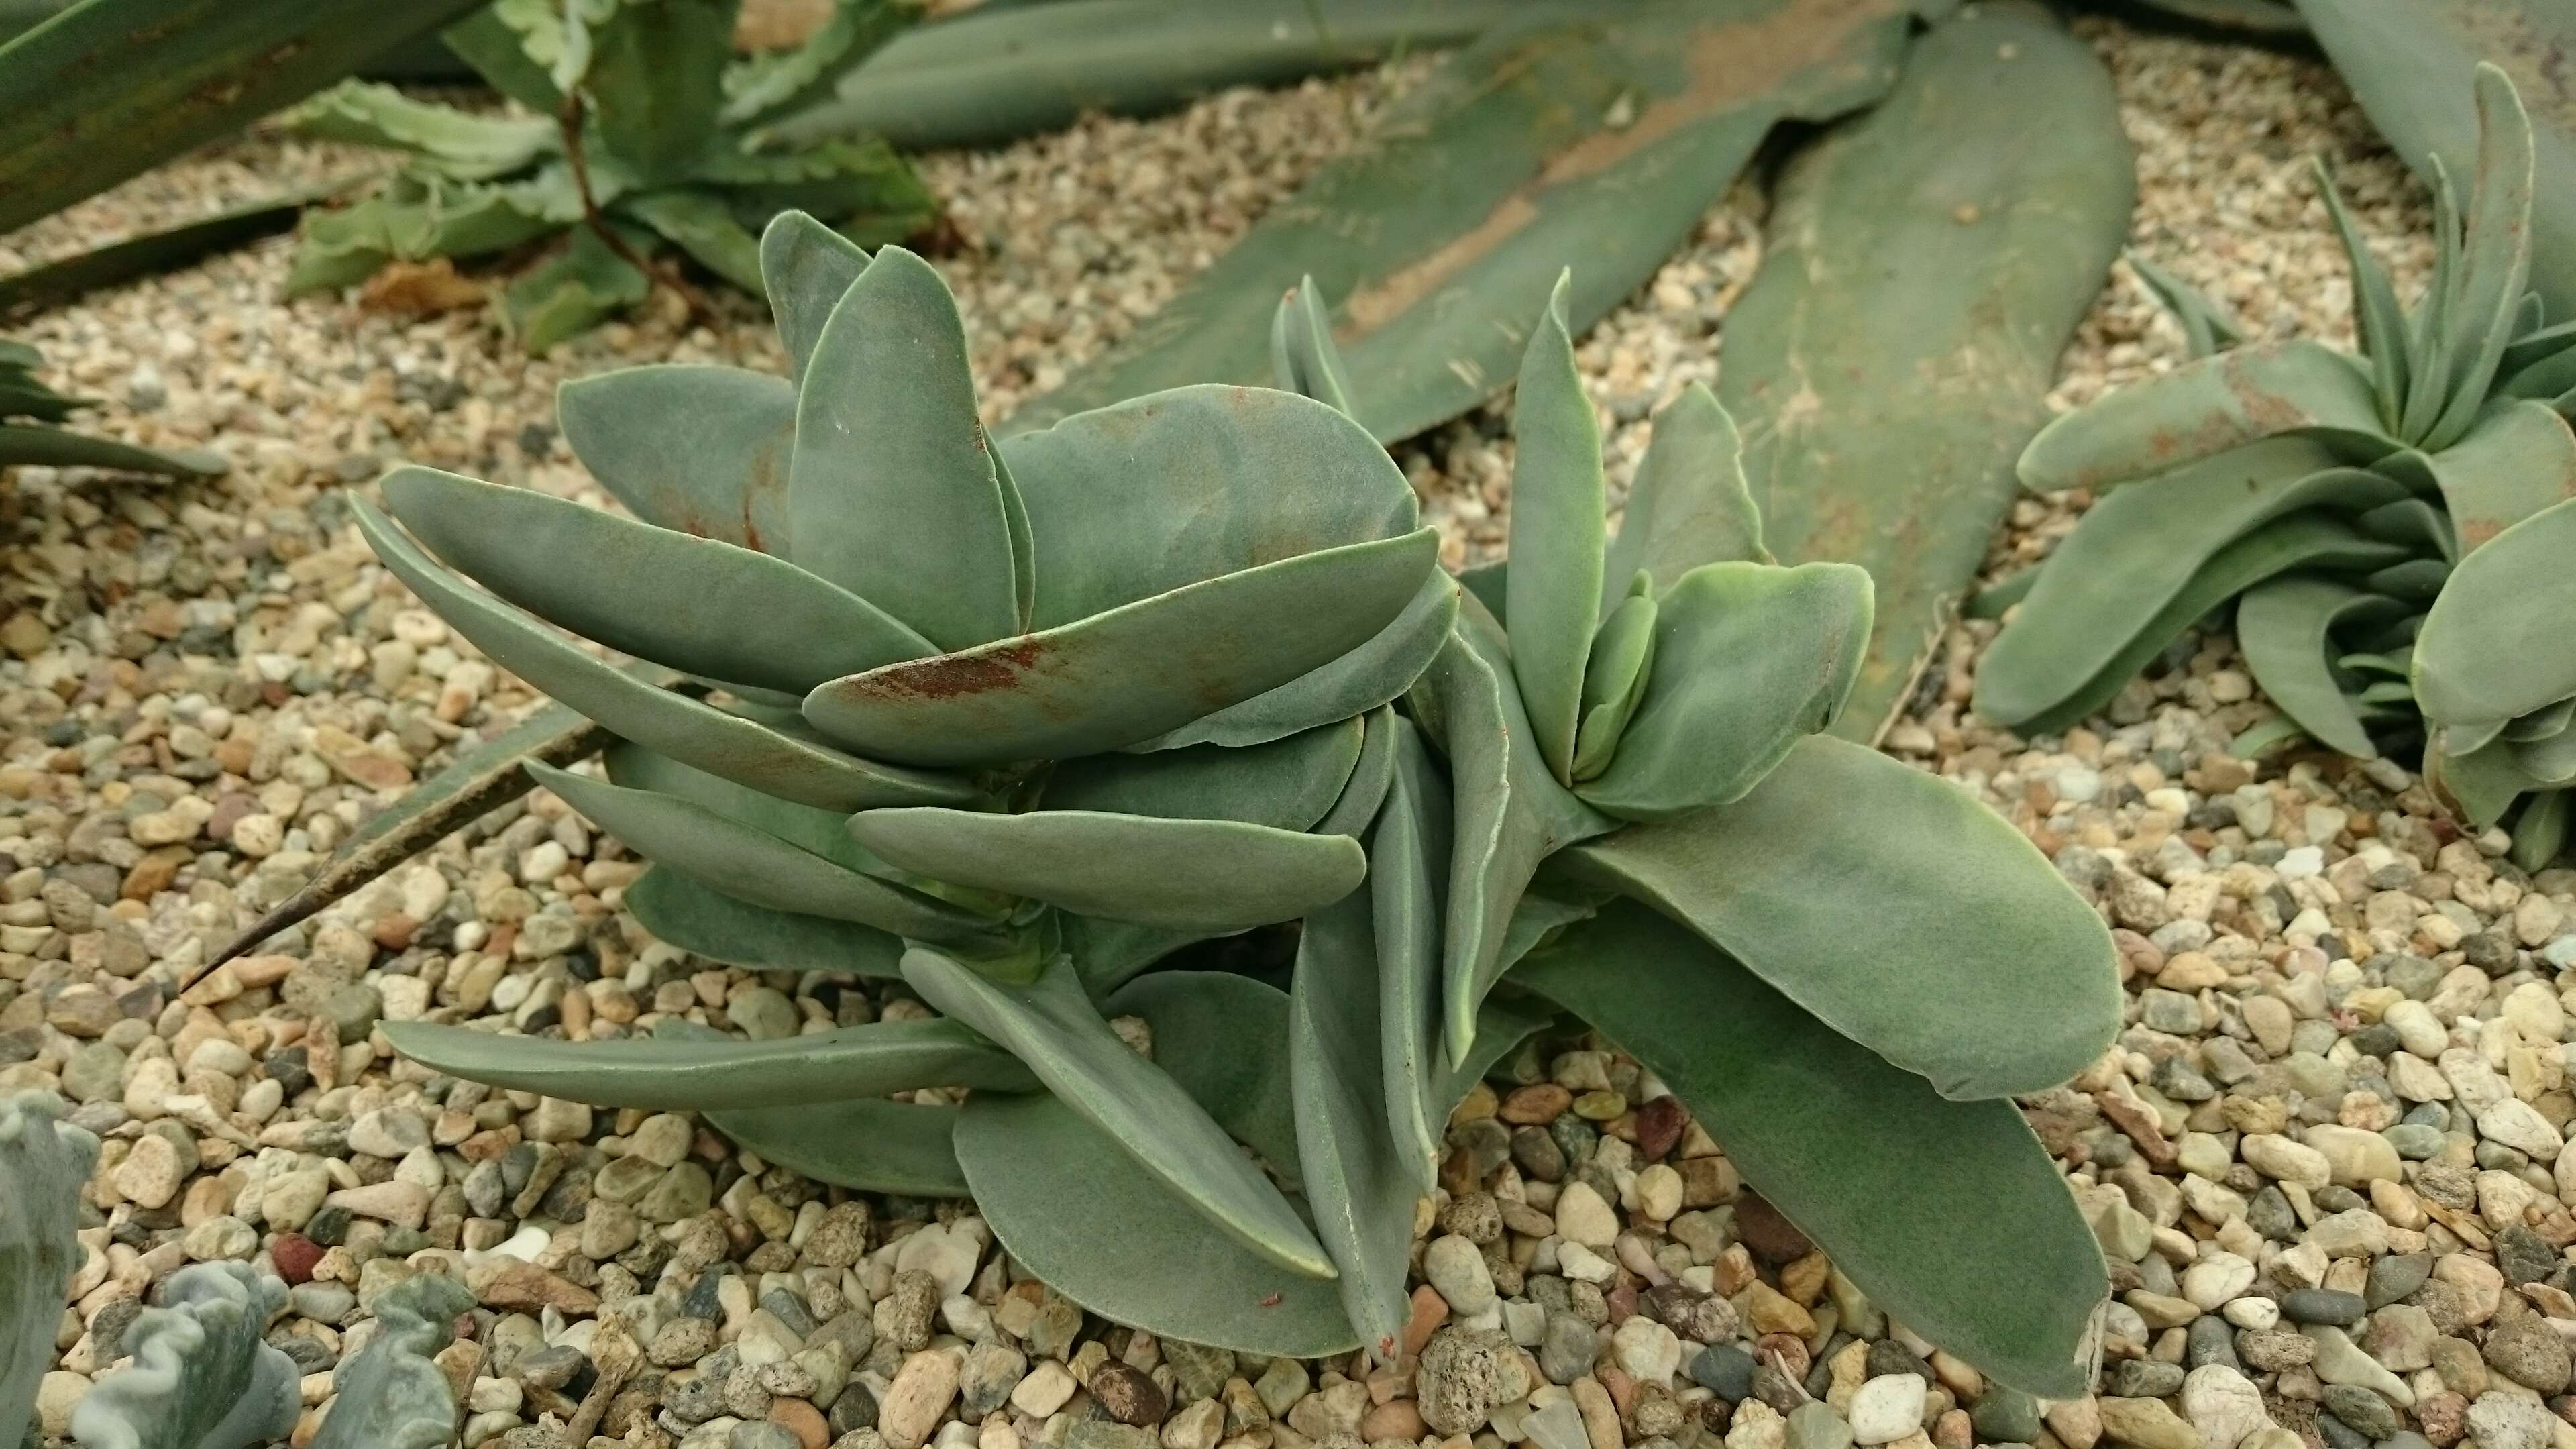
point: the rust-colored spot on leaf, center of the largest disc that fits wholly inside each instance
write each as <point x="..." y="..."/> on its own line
<point x="948" y="676"/>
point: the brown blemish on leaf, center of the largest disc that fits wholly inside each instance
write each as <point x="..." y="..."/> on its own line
<point x="948" y="676"/>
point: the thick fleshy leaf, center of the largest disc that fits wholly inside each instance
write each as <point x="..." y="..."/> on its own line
<point x="704" y="921"/>
<point x="43" y="1163"/>
<point x="1184" y="486"/>
<point x="51" y="447"/>
<point x="699" y="605"/>
<point x="462" y="144"/>
<point x="1375" y="673"/>
<point x="2542" y="723"/>
<point x="697" y="448"/>
<point x="1614" y="680"/>
<point x="821" y="832"/>
<point x="1053" y="1027"/>
<point x="1288" y="784"/>
<point x="1689" y="504"/>
<point x="1557" y="536"/>
<point x="2416" y="522"/>
<point x="867" y="1144"/>
<point x="2428" y="330"/>
<point x="806" y="266"/>
<point x="892" y="468"/>
<point x="393" y="1394"/>
<point x="2497" y="257"/>
<point x="2286" y="627"/>
<point x="203" y="1377"/>
<point x="2497" y="643"/>
<point x="656" y="80"/>
<point x="1066" y="1201"/>
<point x="1948" y="1214"/>
<point x="698" y="222"/>
<point x="1748" y="659"/>
<point x="2201" y="409"/>
<point x="1408" y="897"/>
<point x="2418" y="579"/>
<point x="2137" y="549"/>
<point x="2519" y="460"/>
<point x="665" y="722"/>
<point x="752" y="865"/>
<point x="2479" y="786"/>
<point x="686" y="1074"/>
<point x="2005" y="986"/>
<point x="1132" y="673"/>
<point x="2550" y="760"/>
<point x="1371" y="778"/>
<point x="578" y="287"/>
<point x="2377" y="317"/>
<point x="1361" y="1179"/>
<point x="2542" y="829"/>
<point x="1303" y="359"/>
<point x="1214" y="876"/>
<point x="2207" y="327"/>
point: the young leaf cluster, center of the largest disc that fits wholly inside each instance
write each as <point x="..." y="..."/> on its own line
<point x="2396" y="530"/>
<point x="1015" y="721"/>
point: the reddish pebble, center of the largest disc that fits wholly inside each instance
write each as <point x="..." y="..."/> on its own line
<point x="294" y="1254"/>
<point x="1659" y="1127"/>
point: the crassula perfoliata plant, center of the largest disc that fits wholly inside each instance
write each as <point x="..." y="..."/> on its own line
<point x="1019" y="720"/>
<point x="2397" y="530"/>
<point x="641" y="131"/>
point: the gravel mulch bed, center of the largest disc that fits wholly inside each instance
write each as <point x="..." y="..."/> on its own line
<point x="2325" y="1156"/>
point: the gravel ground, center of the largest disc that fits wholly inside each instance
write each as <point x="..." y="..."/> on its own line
<point x="2324" y="1156"/>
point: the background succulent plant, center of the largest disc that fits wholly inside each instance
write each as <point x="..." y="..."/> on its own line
<point x="641" y="130"/>
<point x="43" y="1162"/>
<point x="1186" y="666"/>
<point x="2397" y="530"/>
<point x="28" y="410"/>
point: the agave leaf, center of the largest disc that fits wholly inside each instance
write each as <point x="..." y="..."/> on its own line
<point x="1749" y="658"/>
<point x="2302" y="540"/>
<point x="870" y="1145"/>
<point x="684" y="1074"/>
<point x="2207" y="327"/>
<point x="201" y="1378"/>
<point x="43" y="1163"/>
<point x="1408" y="896"/>
<point x="698" y="222"/>
<point x="466" y="146"/>
<point x="392" y="1394"/>
<point x="752" y="865"/>
<point x="699" y="449"/>
<point x="656" y="81"/>
<point x="1303" y="359"/>
<point x="1690" y="504"/>
<point x="1614" y="680"/>
<point x="2026" y="994"/>
<point x="2137" y="550"/>
<point x="763" y="88"/>
<point x="1145" y="497"/>
<point x="660" y="720"/>
<point x="1438" y="240"/>
<point x="1371" y="777"/>
<point x="151" y="253"/>
<point x="2201" y="410"/>
<point x="1557" y="534"/>
<point x="749" y="618"/>
<point x="706" y="922"/>
<point x="2285" y="626"/>
<point x="805" y="267"/>
<point x="1831" y="1133"/>
<point x="1509" y="811"/>
<point x="1924" y="265"/>
<point x="52" y="447"/>
<point x="1052" y="1026"/>
<point x="1065" y="1199"/>
<point x="1362" y="680"/>
<point x="1287" y="784"/>
<point x="2541" y="831"/>
<point x="1361" y="1179"/>
<point x="1213" y="876"/>
<point x="576" y="289"/>
<point x="2519" y="460"/>
<point x="891" y="465"/>
<point x="1134" y="672"/>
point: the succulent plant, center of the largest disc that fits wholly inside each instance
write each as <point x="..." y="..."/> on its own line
<point x="2397" y="530"/>
<point x="1017" y="722"/>
<point x="43" y="1162"/>
<point x="36" y="440"/>
<point x="202" y="1376"/>
<point x="390" y="1395"/>
<point x="641" y="129"/>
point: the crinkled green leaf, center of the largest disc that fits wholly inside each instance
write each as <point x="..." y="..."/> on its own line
<point x="870" y="1145"/>
<point x="699" y="223"/>
<point x="857" y="184"/>
<point x="805" y="266"/>
<point x="656" y="81"/>
<point x="1303" y="357"/>
<point x="2520" y="459"/>
<point x="1200" y="875"/>
<point x="2297" y="389"/>
<point x="662" y="721"/>
<point x="706" y="922"/>
<point x="2007" y="987"/>
<point x="496" y="50"/>
<point x="892" y="469"/>
<point x="43" y="1163"/>
<point x="202" y="1378"/>
<point x="574" y="290"/>
<point x="1748" y="659"/>
<point x="748" y="618"/>
<point x="664" y="1073"/>
<point x="762" y="88"/>
<point x="1689" y="504"/>
<point x="1134" y="672"/>
<point x="1948" y="1214"/>
<point x="393" y="1393"/>
<point x="697" y="448"/>
<point x="2286" y="627"/>
<point x="1053" y="1027"/>
<point x="1557" y="536"/>
<point x="1066" y="1201"/>
<point x="464" y="145"/>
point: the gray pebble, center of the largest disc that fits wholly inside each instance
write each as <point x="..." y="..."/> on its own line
<point x="2323" y="1305"/>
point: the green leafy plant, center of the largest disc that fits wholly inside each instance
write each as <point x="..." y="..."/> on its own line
<point x="640" y="131"/>
<point x="29" y="409"/>
<point x="392" y="1394"/>
<point x="43" y="1162"/>
<point x="202" y="1377"/>
<point x="2397" y="530"/>
<point x="1017" y="722"/>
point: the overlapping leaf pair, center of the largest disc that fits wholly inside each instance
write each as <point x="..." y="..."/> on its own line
<point x="1015" y="721"/>
<point x="670" y="149"/>
<point x="2398" y="529"/>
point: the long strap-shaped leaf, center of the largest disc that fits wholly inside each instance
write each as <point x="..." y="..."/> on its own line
<point x="863" y="1143"/>
<point x="1114" y="679"/>
<point x="1557" y="535"/>
<point x="1288" y="783"/>
<point x="695" y="448"/>
<point x="1050" y="1025"/>
<point x="2489" y="287"/>
<point x="1947" y="1214"/>
<point x="2201" y="409"/>
<point x="2027" y="994"/>
<point x="686" y="1074"/>
<point x="1408" y="892"/>
<point x="2286" y="628"/>
<point x="704" y="921"/>
<point x="1363" y="679"/>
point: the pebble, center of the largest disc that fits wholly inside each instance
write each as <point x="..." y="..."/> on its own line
<point x="1887" y="1408"/>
